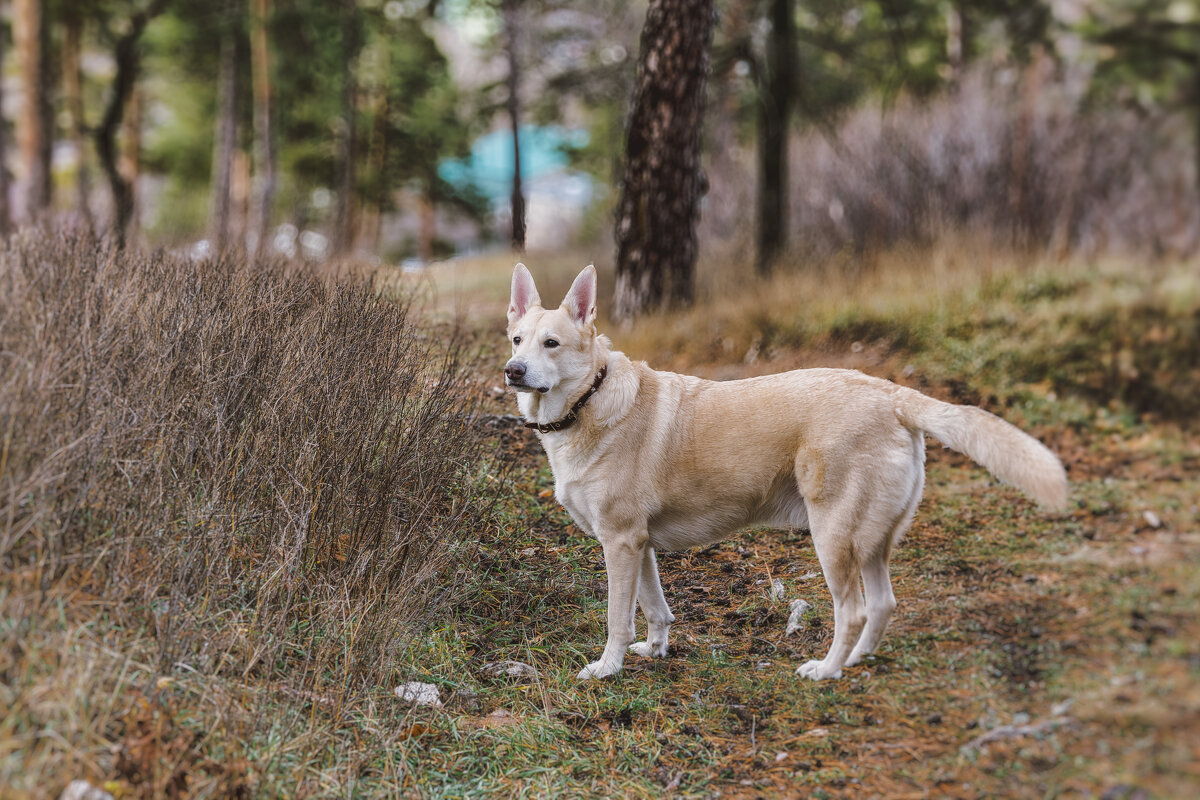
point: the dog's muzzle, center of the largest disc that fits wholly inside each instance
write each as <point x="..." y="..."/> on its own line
<point x="514" y="376"/>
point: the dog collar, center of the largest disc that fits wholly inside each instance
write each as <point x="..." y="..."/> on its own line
<point x="572" y="415"/>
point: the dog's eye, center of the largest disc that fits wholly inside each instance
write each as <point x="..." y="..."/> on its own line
<point x="516" y="340"/>
<point x="551" y="343"/>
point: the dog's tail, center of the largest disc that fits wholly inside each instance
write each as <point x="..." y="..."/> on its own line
<point x="1008" y="453"/>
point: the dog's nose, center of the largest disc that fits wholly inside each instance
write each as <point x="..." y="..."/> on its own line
<point x="515" y="370"/>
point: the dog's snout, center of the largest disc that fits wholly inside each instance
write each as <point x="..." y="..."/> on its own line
<point x="514" y="370"/>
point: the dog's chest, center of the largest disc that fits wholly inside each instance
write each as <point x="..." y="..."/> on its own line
<point x="574" y="491"/>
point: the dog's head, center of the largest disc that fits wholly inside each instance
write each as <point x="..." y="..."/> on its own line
<point x="550" y="348"/>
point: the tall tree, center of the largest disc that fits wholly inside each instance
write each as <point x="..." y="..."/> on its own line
<point x="225" y="138"/>
<point x="31" y="129"/>
<point x="774" y="115"/>
<point x="127" y="57"/>
<point x="343" y="240"/>
<point x="72" y="50"/>
<point x="511" y="29"/>
<point x="663" y="183"/>
<point x="5" y="211"/>
<point x="264" y="150"/>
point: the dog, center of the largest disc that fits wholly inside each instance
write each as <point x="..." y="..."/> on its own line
<point x="647" y="461"/>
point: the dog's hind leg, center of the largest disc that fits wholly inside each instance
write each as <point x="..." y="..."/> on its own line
<point x="877" y="583"/>
<point x="880" y="603"/>
<point x="654" y="606"/>
<point x="833" y="535"/>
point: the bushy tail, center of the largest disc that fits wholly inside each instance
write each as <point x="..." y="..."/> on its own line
<point x="1008" y="453"/>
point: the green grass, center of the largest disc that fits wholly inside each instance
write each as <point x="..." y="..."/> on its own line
<point x="1008" y="615"/>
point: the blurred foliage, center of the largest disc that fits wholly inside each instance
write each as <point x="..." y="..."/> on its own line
<point x="429" y="77"/>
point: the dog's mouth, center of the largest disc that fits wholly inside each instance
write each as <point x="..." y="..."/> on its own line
<point x="524" y="387"/>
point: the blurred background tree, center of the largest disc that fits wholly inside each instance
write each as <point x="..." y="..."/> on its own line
<point x="394" y="128"/>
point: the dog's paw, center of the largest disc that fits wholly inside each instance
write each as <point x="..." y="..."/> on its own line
<point x="817" y="671"/>
<point x="855" y="658"/>
<point x="649" y="649"/>
<point x="597" y="670"/>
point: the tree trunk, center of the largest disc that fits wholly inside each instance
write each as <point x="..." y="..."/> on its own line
<point x="224" y="140"/>
<point x="344" y="237"/>
<point x="5" y="211"/>
<point x="31" y="133"/>
<point x="663" y="182"/>
<point x="428" y="228"/>
<point x="518" y="197"/>
<point x="264" y="150"/>
<point x="131" y="153"/>
<point x="774" y="114"/>
<point x="127" y="63"/>
<point x="73" y="95"/>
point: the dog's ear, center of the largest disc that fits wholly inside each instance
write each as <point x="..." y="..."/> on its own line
<point x="580" y="302"/>
<point x="524" y="294"/>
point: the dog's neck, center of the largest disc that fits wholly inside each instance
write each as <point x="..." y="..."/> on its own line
<point x="609" y="404"/>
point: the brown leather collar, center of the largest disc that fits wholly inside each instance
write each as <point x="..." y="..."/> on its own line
<point x="572" y="415"/>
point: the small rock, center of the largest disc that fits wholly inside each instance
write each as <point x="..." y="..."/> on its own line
<point x="1058" y="709"/>
<point x="781" y="755"/>
<point x="1020" y="718"/>
<point x="511" y="669"/>
<point x="1152" y="519"/>
<point x="777" y="590"/>
<point x="82" y="790"/>
<point x="795" y="621"/>
<point x="500" y="713"/>
<point x="419" y="694"/>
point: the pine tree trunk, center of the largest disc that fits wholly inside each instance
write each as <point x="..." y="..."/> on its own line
<point x="224" y="141"/>
<point x="663" y="183"/>
<point x="344" y="236"/>
<point x="27" y="39"/>
<point x="774" y="113"/>
<point x="518" y="196"/>
<point x="264" y="151"/>
<point x="73" y="95"/>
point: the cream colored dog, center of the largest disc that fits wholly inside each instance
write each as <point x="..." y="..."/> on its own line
<point x="647" y="460"/>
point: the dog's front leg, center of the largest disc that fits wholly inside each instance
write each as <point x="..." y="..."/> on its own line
<point x="654" y="606"/>
<point x="623" y="554"/>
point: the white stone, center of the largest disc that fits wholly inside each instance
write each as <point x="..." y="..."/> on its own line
<point x="419" y="694"/>
<point x="795" y="621"/>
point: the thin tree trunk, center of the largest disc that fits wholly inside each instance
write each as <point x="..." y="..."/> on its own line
<point x="131" y="153"/>
<point x="27" y="38"/>
<point x="127" y="61"/>
<point x="264" y="151"/>
<point x="774" y="109"/>
<point x="73" y="91"/>
<point x="663" y="182"/>
<point x="224" y="140"/>
<point x="5" y="211"/>
<point x="428" y="227"/>
<point x="344" y="238"/>
<point x="518" y="197"/>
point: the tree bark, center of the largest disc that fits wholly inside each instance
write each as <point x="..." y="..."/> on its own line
<point x="774" y="114"/>
<point x="73" y="95"/>
<point x="344" y="236"/>
<point x="31" y="133"/>
<point x="127" y="61"/>
<point x="224" y="140"/>
<point x="663" y="183"/>
<point x="264" y="150"/>
<point x="518" y="196"/>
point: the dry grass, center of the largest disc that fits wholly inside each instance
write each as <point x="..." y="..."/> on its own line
<point x="212" y="476"/>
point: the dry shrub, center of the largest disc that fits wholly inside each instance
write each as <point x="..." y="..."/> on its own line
<point x="1013" y="159"/>
<point x="266" y="469"/>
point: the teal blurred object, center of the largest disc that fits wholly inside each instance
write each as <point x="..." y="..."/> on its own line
<point x="489" y="168"/>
